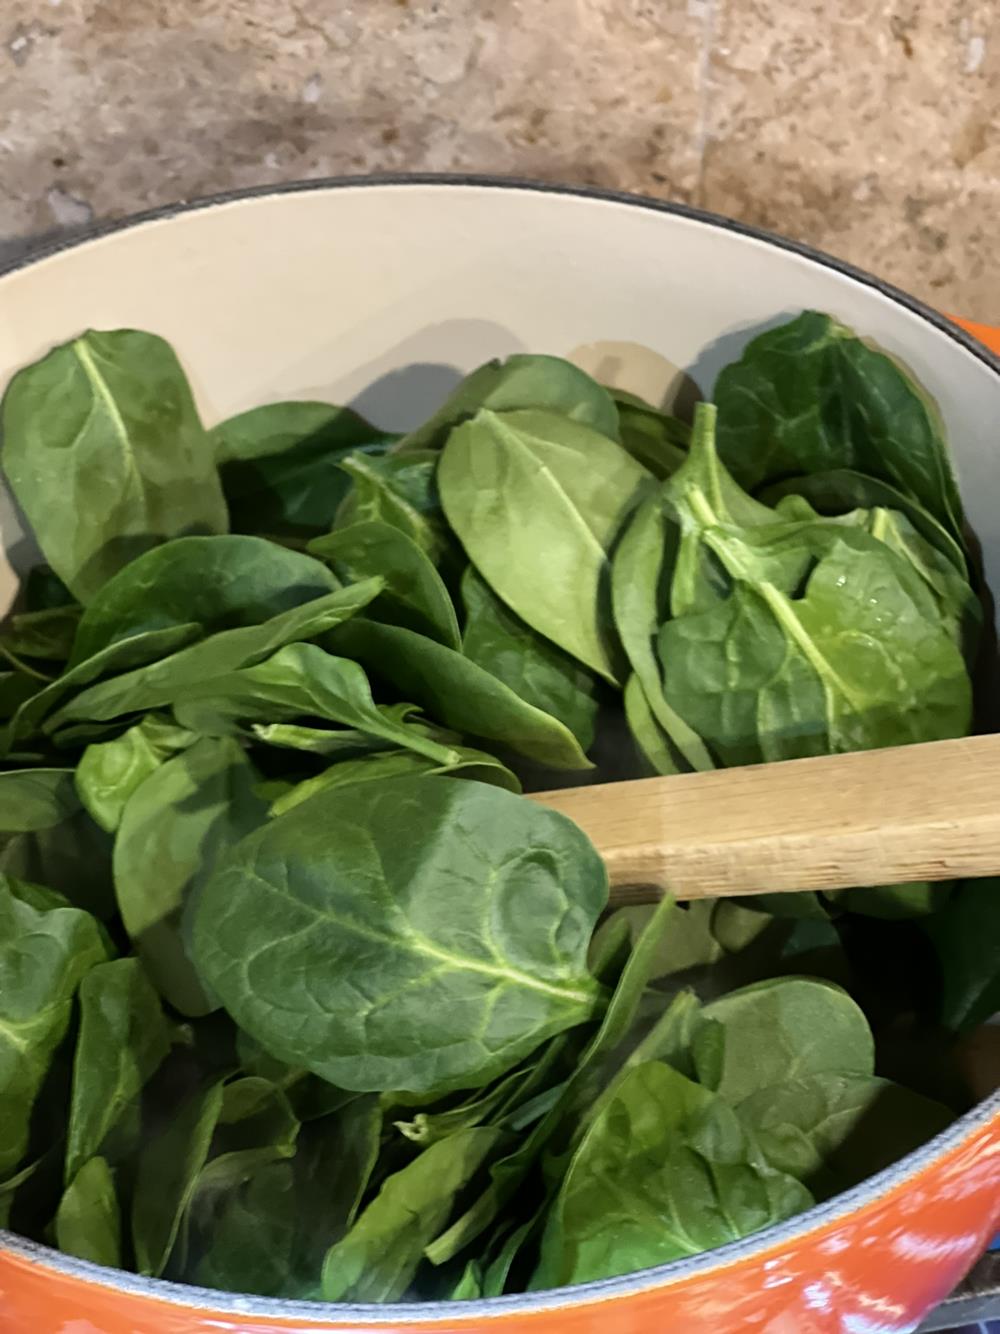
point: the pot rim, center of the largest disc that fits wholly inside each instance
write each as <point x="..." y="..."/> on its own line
<point x="796" y="1228"/>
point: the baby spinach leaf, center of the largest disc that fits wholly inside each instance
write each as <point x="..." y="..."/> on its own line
<point x="88" y="1224"/>
<point x="660" y="755"/>
<point x="463" y="695"/>
<point x="640" y="589"/>
<point x="338" y="742"/>
<point x="220" y="582"/>
<point x="167" y="1175"/>
<point x="811" y="396"/>
<point x="117" y="657"/>
<point x="401" y="491"/>
<point x="538" y="503"/>
<point x="665" y="1171"/>
<point x="832" y="1130"/>
<point x="593" y="1068"/>
<point x="861" y="660"/>
<point x="522" y="381"/>
<point x="320" y="892"/>
<point x="655" y="439"/>
<point x="44" y="955"/>
<point x="124" y="1038"/>
<point x="246" y="1234"/>
<point x="105" y="453"/>
<point x="300" y="680"/>
<point x="377" y="1259"/>
<point x="110" y="771"/>
<point x="839" y="491"/>
<point x="72" y="858"/>
<point x="173" y="830"/>
<point x="787" y="1029"/>
<point x="279" y="464"/>
<point x="172" y="677"/>
<point x="414" y="595"/>
<point x="33" y="799"/>
<point x="543" y="675"/>
<point x="474" y="764"/>
<point x="966" y="936"/>
<point x="41" y="634"/>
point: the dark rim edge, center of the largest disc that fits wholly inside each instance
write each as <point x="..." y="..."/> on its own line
<point x="414" y="1314"/>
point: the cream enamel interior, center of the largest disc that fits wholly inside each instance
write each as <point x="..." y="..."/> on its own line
<point x="380" y="294"/>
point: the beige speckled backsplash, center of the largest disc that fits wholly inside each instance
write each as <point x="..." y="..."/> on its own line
<point x="867" y="127"/>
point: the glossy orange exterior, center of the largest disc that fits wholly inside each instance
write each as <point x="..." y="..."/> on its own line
<point x="874" y="1270"/>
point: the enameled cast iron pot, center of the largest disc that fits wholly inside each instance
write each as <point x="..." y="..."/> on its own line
<point x="378" y="293"/>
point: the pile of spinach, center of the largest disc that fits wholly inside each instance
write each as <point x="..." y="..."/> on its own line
<point x="298" y="995"/>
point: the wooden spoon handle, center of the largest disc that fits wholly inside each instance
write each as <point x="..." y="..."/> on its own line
<point x="880" y="817"/>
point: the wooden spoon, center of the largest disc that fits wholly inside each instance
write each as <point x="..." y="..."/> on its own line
<point x="880" y="817"/>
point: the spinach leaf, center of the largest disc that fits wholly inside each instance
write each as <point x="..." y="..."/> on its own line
<point x="665" y="1171"/>
<point x="378" y="1258"/>
<point x="414" y="595"/>
<point x="522" y="381"/>
<point x="786" y="1029"/>
<point x="590" y="1074"/>
<point x="106" y="456"/>
<point x="110" y="771"/>
<point x="227" y="651"/>
<point x="474" y="764"/>
<point x="322" y="891"/>
<point x="338" y="742"/>
<point x="839" y="491"/>
<point x="538" y="503"/>
<point x="966" y="937"/>
<point x="860" y="660"/>
<point x="300" y="680"/>
<point x="167" y="1175"/>
<point x="220" y="582"/>
<point x="73" y="859"/>
<point x="44" y="955"/>
<point x="173" y="830"/>
<point x="117" y="657"/>
<point x="811" y="397"/>
<point x="279" y="464"/>
<point x="832" y="1130"/>
<point x="401" y="491"/>
<point x="124" y="1039"/>
<point x="247" y="1232"/>
<point x="40" y="634"/>
<point x="655" y="439"/>
<point x="543" y="675"/>
<point x="33" y="799"/>
<point x="463" y="695"/>
<point x="88" y="1224"/>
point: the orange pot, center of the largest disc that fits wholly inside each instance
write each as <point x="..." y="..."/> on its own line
<point x="377" y="292"/>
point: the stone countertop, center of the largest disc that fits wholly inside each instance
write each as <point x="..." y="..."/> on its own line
<point x="865" y="127"/>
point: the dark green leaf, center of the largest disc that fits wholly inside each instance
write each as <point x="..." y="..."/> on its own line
<point x="88" y="1224"/>
<point x="173" y="830"/>
<point x="168" y="1171"/>
<point x="377" y="1259"/>
<point x="104" y="450"/>
<point x="414" y="595"/>
<point x="549" y="383"/>
<point x="34" y="799"/>
<point x="279" y="464"/>
<point x="44" y="955"/>
<point x="966" y="936"/>
<point x="460" y="693"/>
<point x="171" y="678"/>
<point x="538" y="502"/>
<point x="811" y="397"/>
<point x="466" y="984"/>
<point x="220" y="582"/>
<point x="665" y="1171"/>
<point x="124" y="1038"/>
<point x="543" y="675"/>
